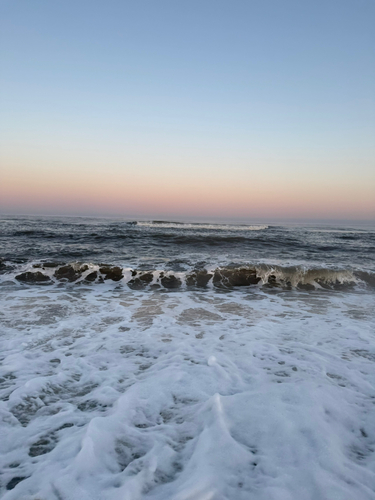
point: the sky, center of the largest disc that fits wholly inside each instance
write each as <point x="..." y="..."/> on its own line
<point x="188" y="109"/>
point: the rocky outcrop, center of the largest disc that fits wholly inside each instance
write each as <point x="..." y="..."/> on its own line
<point x="140" y="280"/>
<point x="198" y="278"/>
<point x="221" y="277"/>
<point x="146" y="277"/>
<point x="36" y="278"/>
<point x="91" y="276"/>
<point x="111" y="273"/>
<point x="227" y="277"/>
<point x="170" y="281"/>
<point x="70" y="273"/>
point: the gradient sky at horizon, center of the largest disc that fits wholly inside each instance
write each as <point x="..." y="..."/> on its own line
<point x="200" y="109"/>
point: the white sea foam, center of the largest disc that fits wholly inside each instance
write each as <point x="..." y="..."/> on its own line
<point x="112" y="394"/>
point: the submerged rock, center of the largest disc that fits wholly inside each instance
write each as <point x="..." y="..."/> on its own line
<point x="272" y="281"/>
<point x="305" y="286"/>
<point x="30" y="277"/>
<point x="111" y="273"/>
<point x="135" y="284"/>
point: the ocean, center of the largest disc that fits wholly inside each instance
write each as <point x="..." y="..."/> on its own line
<point x="164" y="360"/>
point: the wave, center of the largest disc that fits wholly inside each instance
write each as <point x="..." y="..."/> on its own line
<point x="230" y="276"/>
<point x="197" y="225"/>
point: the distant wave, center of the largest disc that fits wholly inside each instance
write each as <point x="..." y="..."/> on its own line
<point x="197" y="225"/>
<point x="298" y="277"/>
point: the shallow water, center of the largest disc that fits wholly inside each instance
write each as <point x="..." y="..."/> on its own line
<point x="207" y="392"/>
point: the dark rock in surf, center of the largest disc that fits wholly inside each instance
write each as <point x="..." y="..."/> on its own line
<point x="141" y="280"/>
<point x="228" y="277"/>
<point x="146" y="277"/>
<point x="47" y="264"/>
<point x="91" y="276"/>
<point x="198" y="278"/>
<point x="170" y="281"/>
<point x="70" y="273"/>
<point x="36" y="278"/>
<point x="111" y="273"/>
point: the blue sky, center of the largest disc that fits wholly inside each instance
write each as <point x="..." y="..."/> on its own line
<point x="281" y="92"/>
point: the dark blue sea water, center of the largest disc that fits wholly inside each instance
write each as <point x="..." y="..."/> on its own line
<point x="181" y="247"/>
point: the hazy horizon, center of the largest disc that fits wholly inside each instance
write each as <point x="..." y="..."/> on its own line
<point x="201" y="220"/>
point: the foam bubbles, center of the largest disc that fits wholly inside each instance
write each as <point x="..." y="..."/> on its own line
<point x="110" y="393"/>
